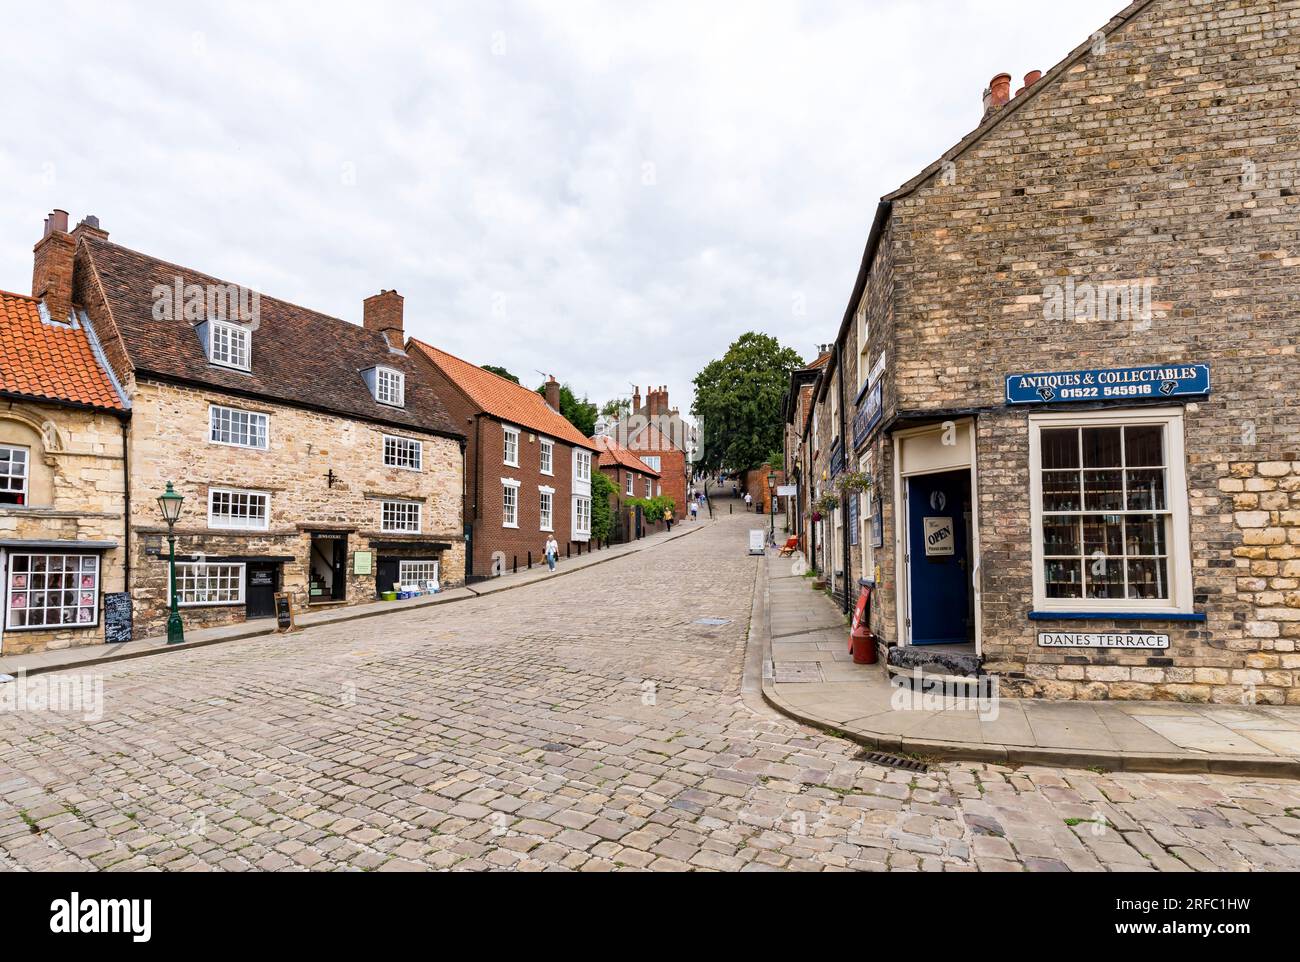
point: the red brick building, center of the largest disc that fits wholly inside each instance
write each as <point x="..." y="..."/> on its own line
<point x="632" y="478"/>
<point x="527" y="469"/>
<point x="657" y="434"/>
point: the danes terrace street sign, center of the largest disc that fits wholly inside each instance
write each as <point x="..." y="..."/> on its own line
<point x="1110" y="384"/>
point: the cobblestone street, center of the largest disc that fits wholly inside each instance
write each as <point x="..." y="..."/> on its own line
<point x="588" y="723"/>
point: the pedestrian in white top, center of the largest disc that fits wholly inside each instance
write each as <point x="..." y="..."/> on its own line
<point x="552" y="552"/>
<point x="748" y="500"/>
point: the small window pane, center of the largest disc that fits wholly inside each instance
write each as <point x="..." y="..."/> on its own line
<point x="1105" y="577"/>
<point x="1104" y="533"/>
<point x="1146" y="489"/>
<point x="1060" y="449"/>
<point x="1103" y="491"/>
<point x="1144" y="445"/>
<point x="1145" y="535"/>
<point x="1147" y="578"/>
<point x="1102" y="447"/>
<point x="1061" y="491"/>
<point x="1064" y="579"/>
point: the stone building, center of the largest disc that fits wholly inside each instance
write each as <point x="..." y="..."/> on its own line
<point x="313" y="456"/>
<point x="63" y="429"/>
<point x="632" y="478"/>
<point x="1076" y="339"/>
<point x="528" y="470"/>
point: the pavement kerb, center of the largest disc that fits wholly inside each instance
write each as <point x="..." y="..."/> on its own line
<point x="345" y="615"/>
<point x="1013" y="755"/>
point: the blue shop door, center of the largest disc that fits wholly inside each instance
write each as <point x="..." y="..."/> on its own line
<point x="939" y="562"/>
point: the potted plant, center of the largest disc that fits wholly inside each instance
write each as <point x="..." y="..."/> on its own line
<point x="826" y="504"/>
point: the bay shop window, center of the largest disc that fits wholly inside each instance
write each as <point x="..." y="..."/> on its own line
<point x="1109" y="513"/>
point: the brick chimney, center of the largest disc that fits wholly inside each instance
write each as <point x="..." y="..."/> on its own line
<point x="90" y="226"/>
<point x="636" y="400"/>
<point x="997" y="96"/>
<point x="553" y="394"/>
<point x="383" y="313"/>
<point x="52" y="266"/>
<point x="657" y="401"/>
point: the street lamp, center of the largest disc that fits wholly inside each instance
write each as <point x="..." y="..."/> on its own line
<point x="169" y="502"/>
<point x="771" y="506"/>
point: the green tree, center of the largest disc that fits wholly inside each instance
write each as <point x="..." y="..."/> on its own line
<point x="602" y="515"/>
<point x="500" y="371"/>
<point x="738" y="398"/>
<point x="581" y="414"/>
<point x="617" y="408"/>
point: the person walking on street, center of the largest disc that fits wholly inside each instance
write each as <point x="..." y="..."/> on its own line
<point x="668" y="517"/>
<point x="552" y="552"/>
<point x="695" y="510"/>
<point x="748" y="500"/>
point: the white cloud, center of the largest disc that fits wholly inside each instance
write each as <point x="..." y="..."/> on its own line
<point x="611" y="192"/>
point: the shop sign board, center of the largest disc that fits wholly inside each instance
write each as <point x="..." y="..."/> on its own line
<point x="1102" y="639"/>
<point x="1153" y="382"/>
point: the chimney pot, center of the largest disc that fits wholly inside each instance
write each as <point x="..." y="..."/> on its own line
<point x="383" y="313"/>
<point x="1000" y="87"/>
<point x="59" y="220"/>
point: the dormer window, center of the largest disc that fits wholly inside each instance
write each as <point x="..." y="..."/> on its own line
<point x="230" y="345"/>
<point x="390" y="387"/>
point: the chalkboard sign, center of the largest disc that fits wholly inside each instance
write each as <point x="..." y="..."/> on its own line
<point x="118" y="625"/>
<point x="283" y="611"/>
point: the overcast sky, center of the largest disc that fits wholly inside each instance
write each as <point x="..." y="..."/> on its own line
<point x="610" y="192"/>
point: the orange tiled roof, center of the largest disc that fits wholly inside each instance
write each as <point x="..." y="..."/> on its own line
<point x="49" y="361"/>
<point x="612" y="453"/>
<point x="504" y="399"/>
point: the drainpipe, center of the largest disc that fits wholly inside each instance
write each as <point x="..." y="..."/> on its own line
<point x="126" y="517"/>
<point x="844" y="448"/>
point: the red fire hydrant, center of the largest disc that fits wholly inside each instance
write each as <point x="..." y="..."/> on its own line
<point x="862" y="643"/>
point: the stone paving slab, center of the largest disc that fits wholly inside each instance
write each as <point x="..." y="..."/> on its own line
<point x="858" y="699"/>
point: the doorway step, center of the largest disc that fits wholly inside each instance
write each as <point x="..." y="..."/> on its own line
<point x="953" y="664"/>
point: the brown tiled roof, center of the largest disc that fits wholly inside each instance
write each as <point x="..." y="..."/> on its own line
<point x="300" y="357"/>
<point x="502" y="398"/>
<point x="613" y="454"/>
<point x="47" y="361"/>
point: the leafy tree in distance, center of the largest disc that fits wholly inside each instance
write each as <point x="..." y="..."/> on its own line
<point x="500" y="371"/>
<point x="581" y="414"/>
<point x="738" y="397"/>
<point x="602" y="515"/>
<point x="617" y="408"/>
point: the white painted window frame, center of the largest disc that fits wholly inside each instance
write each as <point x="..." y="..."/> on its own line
<point x="216" y="525"/>
<point x="233" y="565"/>
<point x="397" y="441"/>
<point x="235" y="333"/>
<point x="509" y="438"/>
<point x="387" y="527"/>
<point x="27" y="470"/>
<point x="384" y="396"/>
<point x="212" y="427"/>
<point x="1179" y="536"/>
<point x="546" y="457"/>
<point x="510" y="484"/>
<point x="545" y="508"/>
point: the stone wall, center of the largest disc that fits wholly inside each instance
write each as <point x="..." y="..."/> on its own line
<point x="169" y="442"/>
<point x="75" y="493"/>
<point x="1165" y="160"/>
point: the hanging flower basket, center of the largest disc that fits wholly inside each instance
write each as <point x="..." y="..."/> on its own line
<point x="855" y="482"/>
<point x="827" y="503"/>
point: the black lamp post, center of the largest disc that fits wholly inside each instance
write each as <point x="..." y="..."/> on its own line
<point x="771" y="506"/>
<point x="169" y="502"/>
